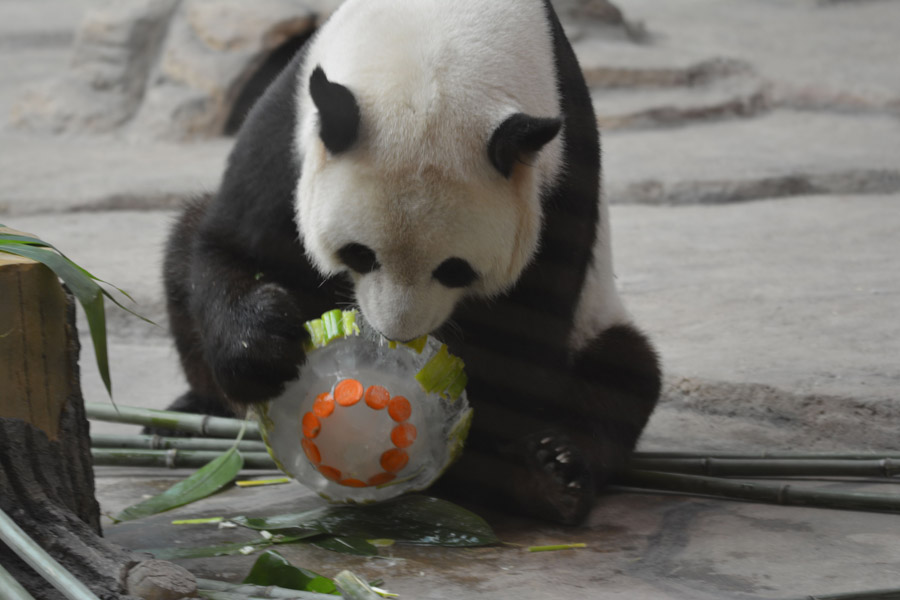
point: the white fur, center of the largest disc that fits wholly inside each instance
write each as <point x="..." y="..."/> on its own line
<point x="599" y="306"/>
<point x="433" y="79"/>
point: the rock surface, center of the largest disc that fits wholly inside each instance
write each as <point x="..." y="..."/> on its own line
<point x="160" y="580"/>
<point x="166" y="69"/>
<point x="114" y="52"/>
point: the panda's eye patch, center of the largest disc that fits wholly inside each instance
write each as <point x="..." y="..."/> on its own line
<point x="455" y="273"/>
<point x="359" y="258"/>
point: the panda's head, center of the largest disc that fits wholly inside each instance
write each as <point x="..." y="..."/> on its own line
<point x="422" y="196"/>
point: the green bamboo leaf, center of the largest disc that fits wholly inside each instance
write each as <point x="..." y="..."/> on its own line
<point x="33" y="241"/>
<point x="207" y="551"/>
<point x="207" y="480"/>
<point x="346" y="545"/>
<point x="24" y="239"/>
<point x="284" y="524"/>
<point x="271" y="568"/>
<point x="229" y="549"/>
<point x="408" y="519"/>
<point x="88" y="293"/>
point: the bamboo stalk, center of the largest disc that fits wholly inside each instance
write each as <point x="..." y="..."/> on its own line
<point x="760" y="492"/>
<point x="12" y="588"/>
<point x="173" y="459"/>
<point x="867" y="595"/>
<point x="238" y="590"/>
<point x="774" y="455"/>
<point x="38" y="559"/>
<point x="354" y="588"/>
<point x="738" y="467"/>
<point x="198" y="424"/>
<point x="213" y="595"/>
<point x="155" y="442"/>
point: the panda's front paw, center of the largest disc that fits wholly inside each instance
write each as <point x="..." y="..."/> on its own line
<point x="563" y="483"/>
<point x="257" y="346"/>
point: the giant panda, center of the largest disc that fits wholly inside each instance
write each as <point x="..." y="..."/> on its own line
<point x="435" y="163"/>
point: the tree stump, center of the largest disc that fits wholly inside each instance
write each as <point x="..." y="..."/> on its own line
<point x="46" y="471"/>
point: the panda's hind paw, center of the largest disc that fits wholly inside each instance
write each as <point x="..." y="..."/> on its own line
<point x="562" y="478"/>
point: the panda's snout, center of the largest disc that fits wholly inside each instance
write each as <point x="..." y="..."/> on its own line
<point x="404" y="312"/>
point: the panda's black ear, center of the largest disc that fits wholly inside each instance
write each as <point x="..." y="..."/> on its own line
<point x="338" y="112"/>
<point x="517" y="137"/>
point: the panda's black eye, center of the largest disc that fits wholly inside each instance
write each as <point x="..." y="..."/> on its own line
<point x="359" y="258"/>
<point x="455" y="273"/>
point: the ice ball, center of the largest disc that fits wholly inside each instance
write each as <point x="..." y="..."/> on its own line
<point x="368" y="419"/>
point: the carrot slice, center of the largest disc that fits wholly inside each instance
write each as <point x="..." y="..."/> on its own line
<point x="377" y="397"/>
<point x="324" y="405"/>
<point x="312" y="451"/>
<point x="399" y="408"/>
<point x="330" y="472"/>
<point x="403" y="435"/>
<point x="311" y="425"/>
<point x="353" y="483"/>
<point x="394" y="460"/>
<point x="381" y="478"/>
<point x="348" y="392"/>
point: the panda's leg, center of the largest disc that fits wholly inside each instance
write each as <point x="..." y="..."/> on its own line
<point x="203" y="397"/>
<point x="550" y="467"/>
<point x="542" y="475"/>
<point x="617" y="379"/>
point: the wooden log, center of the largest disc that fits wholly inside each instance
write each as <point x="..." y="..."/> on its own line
<point x="33" y="348"/>
<point x="46" y="471"/>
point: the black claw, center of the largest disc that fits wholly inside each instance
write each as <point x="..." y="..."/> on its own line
<point x="562" y="478"/>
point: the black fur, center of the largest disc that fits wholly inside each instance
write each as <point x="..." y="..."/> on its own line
<point x="518" y="137"/>
<point x="360" y="258"/>
<point x="338" y="112"/>
<point x="551" y="425"/>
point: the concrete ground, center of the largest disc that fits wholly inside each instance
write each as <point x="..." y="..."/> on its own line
<point x="756" y="230"/>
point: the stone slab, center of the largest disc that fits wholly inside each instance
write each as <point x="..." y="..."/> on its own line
<point x="799" y="294"/>
<point x="644" y="108"/>
<point x="784" y="153"/>
<point x="51" y="174"/>
<point x="803" y="47"/>
<point x="35" y="44"/>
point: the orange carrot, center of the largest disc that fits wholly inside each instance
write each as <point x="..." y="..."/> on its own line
<point x="399" y="408"/>
<point x="311" y="425"/>
<point x="324" y="405"/>
<point x="377" y="397"/>
<point x="353" y="483"/>
<point x="348" y="392"/>
<point x="381" y="478"/>
<point x="330" y="473"/>
<point x="403" y="435"/>
<point x="394" y="460"/>
<point x="312" y="451"/>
